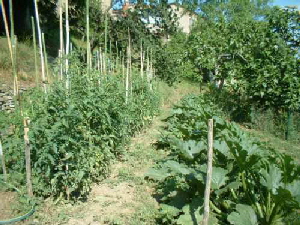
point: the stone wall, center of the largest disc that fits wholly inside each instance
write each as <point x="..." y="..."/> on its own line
<point x="7" y="102"/>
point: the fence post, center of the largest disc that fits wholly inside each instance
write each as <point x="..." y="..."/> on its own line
<point x="27" y="156"/>
<point x="209" y="172"/>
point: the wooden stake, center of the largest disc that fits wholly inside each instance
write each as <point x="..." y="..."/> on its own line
<point x="27" y="157"/>
<point x="208" y="173"/>
<point x="3" y="162"/>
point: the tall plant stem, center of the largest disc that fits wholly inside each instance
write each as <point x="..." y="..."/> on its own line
<point x="40" y="45"/>
<point x="35" y="53"/>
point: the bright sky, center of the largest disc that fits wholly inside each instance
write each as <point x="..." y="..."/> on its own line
<point x="287" y="2"/>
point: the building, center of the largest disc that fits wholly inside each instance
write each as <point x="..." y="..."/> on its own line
<point x="185" y="18"/>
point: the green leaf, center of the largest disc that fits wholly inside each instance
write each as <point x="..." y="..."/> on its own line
<point x="294" y="189"/>
<point x="191" y="148"/>
<point x="193" y="214"/>
<point x="157" y="174"/>
<point x="245" y="215"/>
<point x="272" y="178"/>
<point x="222" y="147"/>
<point x="169" y="211"/>
<point x="219" y="177"/>
<point x="177" y="167"/>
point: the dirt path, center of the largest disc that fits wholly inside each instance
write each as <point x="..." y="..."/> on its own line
<point x="125" y="197"/>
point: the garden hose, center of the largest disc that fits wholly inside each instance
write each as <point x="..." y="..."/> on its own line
<point x="19" y="218"/>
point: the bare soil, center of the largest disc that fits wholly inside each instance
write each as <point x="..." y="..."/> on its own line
<point x="7" y="199"/>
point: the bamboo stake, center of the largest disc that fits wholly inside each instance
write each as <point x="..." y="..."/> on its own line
<point x="151" y="70"/>
<point x="27" y="157"/>
<point x="12" y="25"/>
<point x="104" y="63"/>
<point x="142" y="62"/>
<point x="45" y="57"/>
<point x="15" y="73"/>
<point x="13" y="45"/>
<point x="101" y="60"/>
<point x="35" y="55"/>
<point x="67" y="44"/>
<point x="130" y="64"/>
<point x="209" y="172"/>
<point x="98" y="66"/>
<point x="6" y="29"/>
<point x="98" y="60"/>
<point x="105" y="37"/>
<point x="40" y="45"/>
<point x="88" y="36"/>
<point x="148" y="67"/>
<point x="9" y="40"/>
<point x="61" y="32"/>
<point x="60" y="64"/>
<point x="61" y="37"/>
<point x="117" y="58"/>
<point x="3" y="162"/>
<point x="127" y="78"/>
<point x="123" y="70"/>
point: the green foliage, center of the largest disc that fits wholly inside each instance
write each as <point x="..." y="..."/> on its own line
<point x="252" y="50"/>
<point x="75" y="133"/>
<point x="172" y="62"/>
<point x="251" y="182"/>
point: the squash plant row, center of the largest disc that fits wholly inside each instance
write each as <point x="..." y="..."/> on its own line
<point x="76" y="132"/>
<point x="251" y="183"/>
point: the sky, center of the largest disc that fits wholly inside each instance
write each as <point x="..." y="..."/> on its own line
<point x="286" y="2"/>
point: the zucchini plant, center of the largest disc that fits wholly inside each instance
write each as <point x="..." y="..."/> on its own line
<point x="251" y="183"/>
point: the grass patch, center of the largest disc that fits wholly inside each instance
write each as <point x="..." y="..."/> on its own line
<point x="279" y="144"/>
<point x="25" y="61"/>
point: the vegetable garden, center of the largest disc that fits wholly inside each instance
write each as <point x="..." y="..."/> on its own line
<point x="99" y="89"/>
